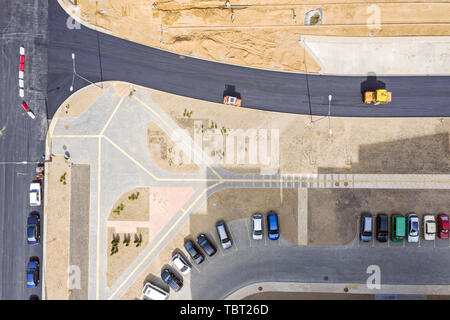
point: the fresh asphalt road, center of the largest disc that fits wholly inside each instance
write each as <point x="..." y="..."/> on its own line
<point x="103" y="57"/>
<point x="21" y="138"/>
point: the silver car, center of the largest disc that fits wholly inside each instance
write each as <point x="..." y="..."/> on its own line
<point x="413" y="227"/>
<point x="257" y="227"/>
<point x="223" y="235"/>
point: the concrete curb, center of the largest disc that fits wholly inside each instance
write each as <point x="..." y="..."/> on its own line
<point x="336" y="288"/>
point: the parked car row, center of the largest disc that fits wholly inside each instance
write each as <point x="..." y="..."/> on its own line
<point x="34" y="235"/>
<point x="404" y="227"/>
<point x="273" y="231"/>
<point x="154" y="292"/>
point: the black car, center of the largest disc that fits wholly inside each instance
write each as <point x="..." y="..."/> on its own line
<point x="204" y="243"/>
<point x="171" y="279"/>
<point x="193" y="252"/>
<point x="382" y="227"/>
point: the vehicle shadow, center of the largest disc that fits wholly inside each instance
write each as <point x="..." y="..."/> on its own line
<point x="372" y="83"/>
<point x="230" y="90"/>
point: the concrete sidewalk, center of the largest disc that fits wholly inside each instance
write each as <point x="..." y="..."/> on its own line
<point x="380" y="55"/>
<point x="337" y="288"/>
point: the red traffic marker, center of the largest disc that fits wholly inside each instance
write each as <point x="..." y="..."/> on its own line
<point x="24" y="106"/>
<point x="22" y="59"/>
<point x="22" y="67"/>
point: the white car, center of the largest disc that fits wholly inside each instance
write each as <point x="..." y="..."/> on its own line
<point x="35" y="194"/>
<point x="429" y="227"/>
<point x="181" y="264"/>
<point x="152" y="292"/>
<point x="257" y="227"/>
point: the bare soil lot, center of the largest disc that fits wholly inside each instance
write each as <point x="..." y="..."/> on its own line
<point x="333" y="213"/>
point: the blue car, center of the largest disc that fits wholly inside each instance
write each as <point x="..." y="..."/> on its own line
<point x="33" y="273"/>
<point x="272" y="223"/>
<point x="33" y="228"/>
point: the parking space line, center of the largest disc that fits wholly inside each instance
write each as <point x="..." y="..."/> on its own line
<point x="233" y="237"/>
<point x="248" y="232"/>
<point x="195" y="267"/>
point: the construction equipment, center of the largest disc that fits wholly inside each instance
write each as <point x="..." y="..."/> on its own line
<point x="232" y="101"/>
<point x="381" y="96"/>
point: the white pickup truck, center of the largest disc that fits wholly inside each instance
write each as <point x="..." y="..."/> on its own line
<point x="35" y="194"/>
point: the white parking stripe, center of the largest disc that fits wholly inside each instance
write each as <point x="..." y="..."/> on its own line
<point x="248" y="232"/>
<point x="233" y="237"/>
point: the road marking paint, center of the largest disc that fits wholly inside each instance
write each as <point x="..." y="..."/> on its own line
<point x="183" y="140"/>
<point x="162" y="238"/>
<point x="248" y="232"/>
<point x="131" y="158"/>
<point x="74" y="136"/>
<point x="112" y="115"/>
<point x="233" y="237"/>
<point x="99" y="166"/>
<point x="195" y="267"/>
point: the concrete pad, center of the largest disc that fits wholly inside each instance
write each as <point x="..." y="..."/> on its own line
<point x="302" y="222"/>
<point x="381" y="55"/>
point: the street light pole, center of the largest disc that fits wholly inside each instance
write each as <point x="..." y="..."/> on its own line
<point x="74" y="73"/>
<point x="330" y="132"/>
<point x="19" y="162"/>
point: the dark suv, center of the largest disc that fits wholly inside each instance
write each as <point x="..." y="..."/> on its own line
<point x="203" y="242"/>
<point x="382" y="227"/>
<point x="171" y="279"/>
<point x="193" y="252"/>
<point x="33" y="228"/>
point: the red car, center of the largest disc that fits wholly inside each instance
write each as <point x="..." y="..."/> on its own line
<point x="443" y="226"/>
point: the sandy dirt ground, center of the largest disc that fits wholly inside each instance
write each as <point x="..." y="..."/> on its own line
<point x="134" y="210"/>
<point x="332" y="213"/>
<point x="161" y="149"/>
<point x="358" y="145"/>
<point x="264" y="34"/>
<point x="57" y="214"/>
<point x="118" y="262"/>
<point x="234" y="204"/>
